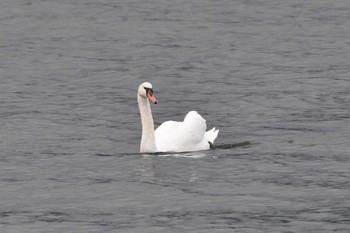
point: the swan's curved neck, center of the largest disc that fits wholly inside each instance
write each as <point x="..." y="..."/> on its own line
<point x="148" y="143"/>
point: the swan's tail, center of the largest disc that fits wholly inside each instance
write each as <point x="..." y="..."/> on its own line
<point x="211" y="135"/>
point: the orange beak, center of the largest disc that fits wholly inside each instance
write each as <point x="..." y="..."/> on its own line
<point x="152" y="98"/>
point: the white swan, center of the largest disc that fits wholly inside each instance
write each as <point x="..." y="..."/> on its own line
<point x="171" y="136"/>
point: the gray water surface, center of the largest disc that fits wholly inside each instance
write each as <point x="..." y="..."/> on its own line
<point x="273" y="76"/>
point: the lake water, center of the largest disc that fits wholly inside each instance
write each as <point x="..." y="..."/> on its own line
<point x="273" y="76"/>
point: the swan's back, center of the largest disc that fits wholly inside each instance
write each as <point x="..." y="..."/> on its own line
<point x="189" y="135"/>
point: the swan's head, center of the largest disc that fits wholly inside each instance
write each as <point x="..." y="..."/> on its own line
<point x="146" y="91"/>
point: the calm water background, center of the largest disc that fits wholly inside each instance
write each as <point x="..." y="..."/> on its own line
<point x="273" y="73"/>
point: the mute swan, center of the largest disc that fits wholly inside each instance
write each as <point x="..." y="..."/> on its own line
<point x="171" y="136"/>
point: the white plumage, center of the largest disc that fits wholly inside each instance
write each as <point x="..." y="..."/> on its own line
<point x="172" y="136"/>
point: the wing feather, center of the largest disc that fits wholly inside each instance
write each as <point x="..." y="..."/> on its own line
<point x="189" y="135"/>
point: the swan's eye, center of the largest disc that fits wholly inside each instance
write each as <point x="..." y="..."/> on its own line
<point x="149" y="90"/>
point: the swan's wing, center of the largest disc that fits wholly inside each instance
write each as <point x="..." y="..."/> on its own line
<point x="193" y="128"/>
<point x="167" y="127"/>
<point x="188" y="135"/>
<point x="164" y="134"/>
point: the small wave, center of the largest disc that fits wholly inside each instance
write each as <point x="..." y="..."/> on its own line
<point x="193" y="154"/>
<point x="233" y="145"/>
